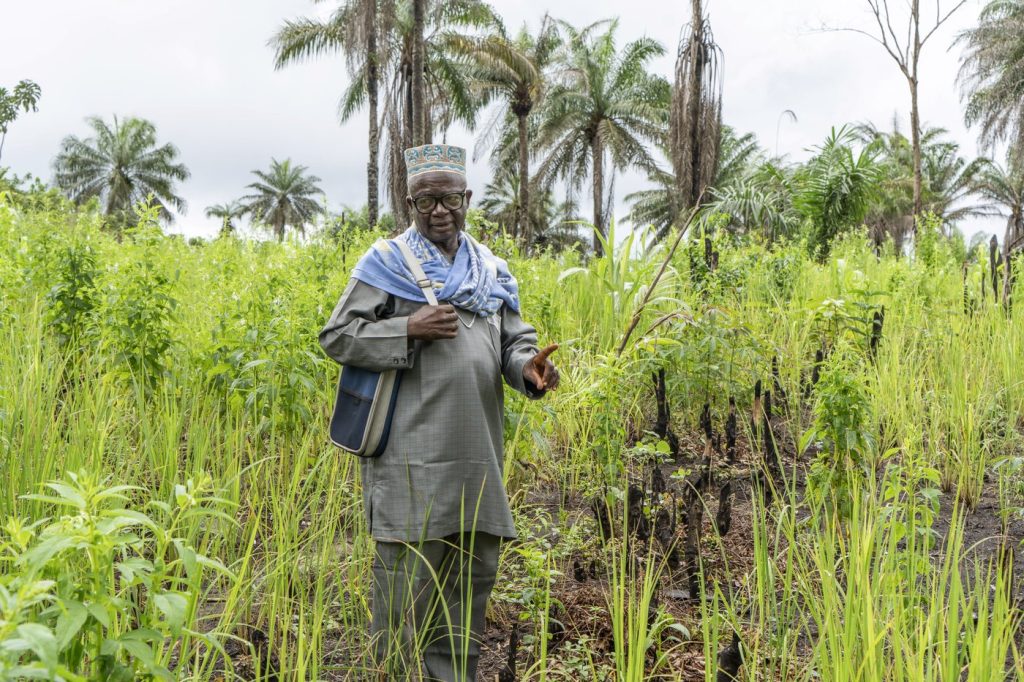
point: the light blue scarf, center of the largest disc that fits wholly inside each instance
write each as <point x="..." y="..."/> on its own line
<point x="475" y="280"/>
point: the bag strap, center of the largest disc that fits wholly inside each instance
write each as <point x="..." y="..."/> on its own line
<point x="417" y="271"/>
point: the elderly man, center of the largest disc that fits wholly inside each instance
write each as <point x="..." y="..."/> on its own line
<point x="435" y="500"/>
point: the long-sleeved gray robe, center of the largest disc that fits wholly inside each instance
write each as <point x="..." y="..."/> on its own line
<point x="444" y="457"/>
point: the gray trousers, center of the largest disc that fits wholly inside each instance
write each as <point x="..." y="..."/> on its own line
<point x="424" y="595"/>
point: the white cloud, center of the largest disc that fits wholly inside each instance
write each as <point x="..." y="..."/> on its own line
<point x="203" y="73"/>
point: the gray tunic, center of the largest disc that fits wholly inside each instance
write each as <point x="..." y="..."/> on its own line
<point x="444" y="457"/>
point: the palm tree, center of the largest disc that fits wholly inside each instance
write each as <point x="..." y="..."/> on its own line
<point x="696" y="111"/>
<point x="501" y="206"/>
<point x="1004" y="187"/>
<point x="378" y="39"/>
<point x="761" y="200"/>
<point x="419" y="49"/>
<point x="603" y="102"/>
<point x="352" y="29"/>
<point x="228" y="214"/>
<point x="659" y="206"/>
<point x="992" y="75"/>
<point x="23" y="97"/>
<point x="552" y="224"/>
<point x="948" y="181"/>
<point x="445" y="79"/>
<point x="121" y="165"/>
<point x="834" y="190"/>
<point x="512" y="69"/>
<point x="282" y="197"/>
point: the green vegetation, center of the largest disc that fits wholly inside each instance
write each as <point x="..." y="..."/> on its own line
<point x="24" y="97"/>
<point x="788" y="442"/>
<point x="150" y="363"/>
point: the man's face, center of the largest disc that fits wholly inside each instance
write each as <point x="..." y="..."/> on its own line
<point x="442" y="225"/>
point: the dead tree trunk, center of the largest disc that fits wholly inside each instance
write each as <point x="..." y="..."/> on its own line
<point x="695" y="113"/>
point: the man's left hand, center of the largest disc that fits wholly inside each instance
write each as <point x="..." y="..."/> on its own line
<point x="540" y="371"/>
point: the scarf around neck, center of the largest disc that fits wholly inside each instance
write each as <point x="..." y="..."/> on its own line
<point x="474" y="280"/>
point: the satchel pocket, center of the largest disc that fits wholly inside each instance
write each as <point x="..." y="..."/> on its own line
<point x="363" y="410"/>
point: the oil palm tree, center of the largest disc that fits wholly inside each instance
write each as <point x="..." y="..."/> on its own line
<point x="501" y="205"/>
<point x="378" y="39"/>
<point x="283" y="196"/>
<point x="739" y="156"/>
<point x="761" y="201"/>
<point x="948" y="180"/>
<point x="602" y="102"/>
<point x="351" y="30"/>
<point x="228" y="214"/>
<point x="992" y="75"/>
<point x="836" y="187"/>
<point x="1004" y="188"/>
<point x="121" y="165"/>
<point x="512" y="70"/>
<point x="445" y="89"/>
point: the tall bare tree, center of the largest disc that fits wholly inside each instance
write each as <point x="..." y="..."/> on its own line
<point x="906" y="52"/>
<point x="695" y="117"/>
<point x="418" y="50"/>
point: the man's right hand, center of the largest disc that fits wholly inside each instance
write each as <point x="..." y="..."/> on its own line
<point x="430" y="323"/>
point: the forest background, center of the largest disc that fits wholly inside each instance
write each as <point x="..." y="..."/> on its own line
<point x="203" y="74"/>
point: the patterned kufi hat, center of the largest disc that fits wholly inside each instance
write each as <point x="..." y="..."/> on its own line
<point x="435" y="157"/>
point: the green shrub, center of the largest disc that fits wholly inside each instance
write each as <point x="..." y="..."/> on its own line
<point x="103" y="591"/>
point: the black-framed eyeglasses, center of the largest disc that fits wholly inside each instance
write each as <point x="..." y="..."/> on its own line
<point x="427" y="203"/>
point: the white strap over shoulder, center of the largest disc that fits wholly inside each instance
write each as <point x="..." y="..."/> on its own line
<point x="417" y="271"/>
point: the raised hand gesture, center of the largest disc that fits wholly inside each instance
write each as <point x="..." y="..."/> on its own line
<point x="540" y="371"/>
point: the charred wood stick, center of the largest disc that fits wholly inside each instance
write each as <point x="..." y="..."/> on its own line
<point x="877" y="320"/>
<point x="603" y="514"/>
<point x="705" y="421"/>
<point x="697" y="483"/>
<point x="691" y="547"/>
<point x="730" y="660"/>
<point x="661" y="401"/>
<point x="508" y="672"/>
<point x="755" y="411"/>
<point x="771" y="451"/>
<point x="780" y="393"/>
<point x="723" y="519"/>
<point x="995" y="259"/>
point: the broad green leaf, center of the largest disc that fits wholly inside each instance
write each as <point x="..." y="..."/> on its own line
<point x="188" y="558"/>
<point x="70" y="622"/>
<point x="99" y="613"/>
<point x="174" y="607"/>
<point x="41" y="642"/>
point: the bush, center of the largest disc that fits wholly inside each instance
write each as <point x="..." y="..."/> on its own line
<point x="103" y="591"/>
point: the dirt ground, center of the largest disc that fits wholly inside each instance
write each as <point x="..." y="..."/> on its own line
<point x="582" y="590"/>
<point x="725" y="560"/>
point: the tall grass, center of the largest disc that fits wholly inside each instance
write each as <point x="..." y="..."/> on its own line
<point x="223" y="376"/>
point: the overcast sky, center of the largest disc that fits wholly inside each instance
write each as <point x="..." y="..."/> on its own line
<point x="202" y="72"/>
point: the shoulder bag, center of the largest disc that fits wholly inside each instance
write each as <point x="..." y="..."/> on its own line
<point x="366" y="399"/>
